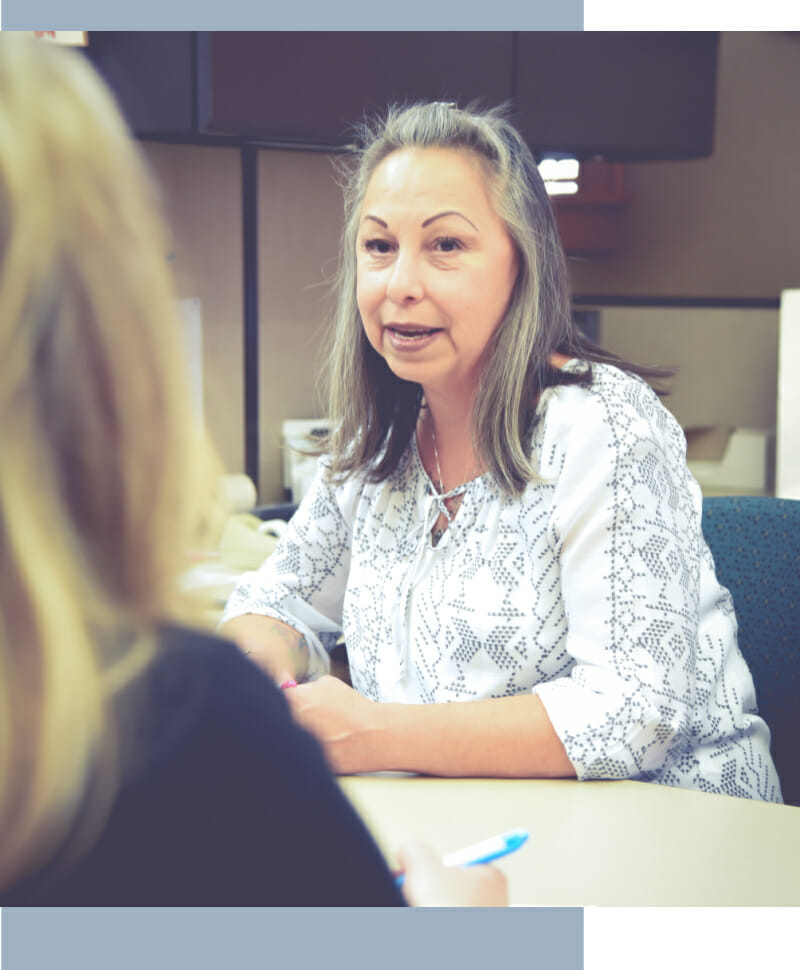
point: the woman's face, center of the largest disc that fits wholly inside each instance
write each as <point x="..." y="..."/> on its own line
<point x="435" y="266"/>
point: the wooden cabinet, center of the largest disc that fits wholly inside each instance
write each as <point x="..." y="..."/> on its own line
<point x="591" y="222"/>
<point x="620" y="95"/>
<point x="151" y="75"/>
<point x="310" y="87"/>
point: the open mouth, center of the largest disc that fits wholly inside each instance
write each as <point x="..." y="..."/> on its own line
<point x="413" y="333"/>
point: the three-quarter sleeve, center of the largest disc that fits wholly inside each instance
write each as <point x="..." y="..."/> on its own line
<point x="303" y="582"/>
<point x="626" y="518"/>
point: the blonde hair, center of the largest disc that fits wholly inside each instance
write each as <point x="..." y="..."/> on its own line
<point x="99" y="443"/>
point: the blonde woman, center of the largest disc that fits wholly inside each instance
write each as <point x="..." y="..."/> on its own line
<point x="141" y="761"/>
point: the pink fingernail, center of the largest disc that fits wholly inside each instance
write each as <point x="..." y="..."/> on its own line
<point x="288" y="683"/>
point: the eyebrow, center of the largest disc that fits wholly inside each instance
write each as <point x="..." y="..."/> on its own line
<point x="376" y="219"/>
<point x="448" y="212"/>
<point x="427" y="222"/>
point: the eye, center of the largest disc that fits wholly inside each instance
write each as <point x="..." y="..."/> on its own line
<point x="447" y="244"/>
<point x="378" y="246"/>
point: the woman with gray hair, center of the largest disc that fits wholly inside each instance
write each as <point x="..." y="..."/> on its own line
<point x="503" y="517"/>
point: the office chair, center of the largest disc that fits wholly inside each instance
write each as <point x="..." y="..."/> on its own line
<point x="755" y="542"/>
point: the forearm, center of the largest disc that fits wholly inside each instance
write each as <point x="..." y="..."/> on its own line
<point x="509" y="737"/>
<point x="275" y="646"/>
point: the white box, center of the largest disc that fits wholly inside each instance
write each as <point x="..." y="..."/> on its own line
<point x="734" y="460"/>
<point x="299" y="469"/>
<point x="787" y="446"/>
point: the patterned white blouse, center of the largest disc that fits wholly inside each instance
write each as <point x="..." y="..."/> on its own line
<point x="594" y="589"/>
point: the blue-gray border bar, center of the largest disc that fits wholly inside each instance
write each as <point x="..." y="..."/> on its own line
<point x="303" y="14"/>
<point x="259" y="939"/>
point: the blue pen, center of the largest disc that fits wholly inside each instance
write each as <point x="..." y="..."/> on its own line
<point x="482" y="852"/>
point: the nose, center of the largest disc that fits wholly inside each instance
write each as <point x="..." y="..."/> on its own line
<point x="405" y="283"/>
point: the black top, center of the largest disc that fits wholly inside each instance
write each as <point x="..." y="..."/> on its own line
<point x="224" y="801"/>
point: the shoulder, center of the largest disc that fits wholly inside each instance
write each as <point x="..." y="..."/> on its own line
<point x="195" y="661"/>
<point x="274" y="826"/>
<point x="197" y="685"/>
<point x="612" y="407"/>
<point x="609" y="430"/>
<point x="364" y="486"/>
<point x="214" y="731"/>
<point x="206" y="667"/>
<point x="605" y="388"/>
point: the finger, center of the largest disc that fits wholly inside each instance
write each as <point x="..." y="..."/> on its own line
<point x="417" y="860"/>
<point x="411" y="852"/>
<point x="299" y="700"/>
<point x="429" y="883"/>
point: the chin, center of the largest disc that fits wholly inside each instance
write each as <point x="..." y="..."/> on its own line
<point x="414" y="374"/>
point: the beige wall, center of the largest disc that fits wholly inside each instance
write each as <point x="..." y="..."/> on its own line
<point x="727" y="360"/>
<point x="299" y="225"/>
<point x="201" y="188"/>
<point x="726" y="225"/>
<point x="299" y="218"/>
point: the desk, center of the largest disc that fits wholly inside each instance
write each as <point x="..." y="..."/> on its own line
<point x="617" y="843"/>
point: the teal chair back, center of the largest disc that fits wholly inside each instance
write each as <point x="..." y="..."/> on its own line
<point x="755" y="542"/>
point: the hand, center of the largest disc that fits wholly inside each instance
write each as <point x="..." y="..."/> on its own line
<point x="430" y="883"/>
<point x="346" y="724"/>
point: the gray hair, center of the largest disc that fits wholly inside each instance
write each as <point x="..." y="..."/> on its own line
<point x="374" y="413"/>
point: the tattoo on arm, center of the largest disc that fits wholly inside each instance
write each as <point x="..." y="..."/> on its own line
<point x="296" y="646"/>
<point x="300" y="653"/>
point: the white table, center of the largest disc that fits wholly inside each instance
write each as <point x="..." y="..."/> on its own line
<point x="620" y="843"/>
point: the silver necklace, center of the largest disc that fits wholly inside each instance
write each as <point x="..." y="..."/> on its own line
<point x="440" y="494"/>
<point x="436" y="456"/>
<point x="439" y="467"/>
